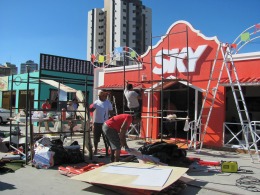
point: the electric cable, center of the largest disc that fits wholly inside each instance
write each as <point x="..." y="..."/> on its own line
<point x="248" y="183"/>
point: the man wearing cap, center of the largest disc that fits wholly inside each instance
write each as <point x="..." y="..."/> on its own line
<point x="103" y="110"/>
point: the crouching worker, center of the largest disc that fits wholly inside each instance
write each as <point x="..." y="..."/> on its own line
<point x="115" y="130"/>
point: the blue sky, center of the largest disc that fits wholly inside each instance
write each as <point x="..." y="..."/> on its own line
<point x="59" y="27"/>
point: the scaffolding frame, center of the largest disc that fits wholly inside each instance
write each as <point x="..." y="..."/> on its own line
<point x="28" y="120"/>
<point x="162" y="81"/>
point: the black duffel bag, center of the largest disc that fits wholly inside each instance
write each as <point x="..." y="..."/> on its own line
<point x="61" y="155"/>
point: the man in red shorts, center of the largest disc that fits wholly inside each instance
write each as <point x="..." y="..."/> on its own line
<point x="115" y="130"/>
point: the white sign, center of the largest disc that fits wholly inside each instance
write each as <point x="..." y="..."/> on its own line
<point x="146" y="176"/>
<point x="176" y="60"/>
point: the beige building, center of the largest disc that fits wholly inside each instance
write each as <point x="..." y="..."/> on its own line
<point x="8" y="69"/>
<point x="31" y="64"/>
<point x="120" y="23"/>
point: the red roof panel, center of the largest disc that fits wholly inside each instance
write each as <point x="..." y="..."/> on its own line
<point x="247" y="80"/>
<point x="118" y="86"/>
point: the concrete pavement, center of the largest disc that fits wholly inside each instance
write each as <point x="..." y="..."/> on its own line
<point x="207" y="180"/>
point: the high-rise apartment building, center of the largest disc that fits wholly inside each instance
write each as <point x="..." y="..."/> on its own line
<point x="8" y="69"/>
<point x="32" y="66"/>
<point x="120" y="23"/>
<point x="4" y="71"/>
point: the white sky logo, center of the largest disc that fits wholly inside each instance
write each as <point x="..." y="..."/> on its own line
<point x="176" y="60"/>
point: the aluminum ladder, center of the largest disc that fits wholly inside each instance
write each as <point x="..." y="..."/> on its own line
<point x="240" y="102"/>
<point x="199" y="129"/>
<point x="210" y="96"/>
<point x="114" y="106"/>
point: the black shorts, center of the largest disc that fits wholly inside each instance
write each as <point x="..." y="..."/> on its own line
<point x="136" y="112"/>
<point x="97" y="132"/>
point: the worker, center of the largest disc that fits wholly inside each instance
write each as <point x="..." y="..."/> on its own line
<point x="115" y="130"/>
<point x="54" y="103"/>
<point x="75" y="103"/>
<point x="46" y="106"/>
<point x="70" y="109"/>
<point x="103" y="110"/>
<point x="132" y="98"/>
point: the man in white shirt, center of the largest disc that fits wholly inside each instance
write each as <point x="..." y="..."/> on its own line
<point x="103" y="110"/>
<point x="132" y="98"/>
<point x="70" y="110"/>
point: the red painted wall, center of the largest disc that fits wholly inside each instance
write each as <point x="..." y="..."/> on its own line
<point x="180" y="36"/>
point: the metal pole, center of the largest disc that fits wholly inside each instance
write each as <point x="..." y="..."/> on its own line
<point x="162" y="99"/>
<point x="10" y="133"/>
<point x="124" y="85"/>
<point x="31" y="132"/>
<point x="188" y="87"/>
<point x="152" y="92"/>
<point x="87" y="117"/>
<point x="188" y="73"/>
<point x="26" y="115"/>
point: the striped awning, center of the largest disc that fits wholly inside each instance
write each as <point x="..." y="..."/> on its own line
<point x="243" y="81"/>
<point x="59" y="85"/>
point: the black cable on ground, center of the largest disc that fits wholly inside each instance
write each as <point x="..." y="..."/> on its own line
<point x="213" y="189"/>
<point x="248" y="183"/>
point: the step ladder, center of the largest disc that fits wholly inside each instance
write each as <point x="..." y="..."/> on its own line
<point x="210" y="96"/>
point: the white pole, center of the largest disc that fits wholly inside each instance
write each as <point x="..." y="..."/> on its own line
<point x="148" y="119"/>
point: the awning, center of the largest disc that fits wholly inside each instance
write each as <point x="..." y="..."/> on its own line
<point x="59" y="85"/>
<point x="118" y="86"/>
<point x="248" y="81"/>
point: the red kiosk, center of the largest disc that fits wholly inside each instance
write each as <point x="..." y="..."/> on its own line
<point x="177" y="71"/>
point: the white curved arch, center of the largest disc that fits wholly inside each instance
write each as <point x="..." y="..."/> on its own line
<point x="117" y="55"/>
<point x="238" y="37"/>
<point x="190" y="26"/>
<point x="252" y="30"/>
<point x="246" y="44"/>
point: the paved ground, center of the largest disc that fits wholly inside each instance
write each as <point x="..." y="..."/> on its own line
<point x="208" y="180"/>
